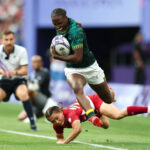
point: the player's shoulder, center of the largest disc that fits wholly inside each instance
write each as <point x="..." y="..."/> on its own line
<point x="74" y="27"/>
<point x="71" y="114"/>
<point x="69" y="111"/>
<point x="19" y="48"/>
<point x="72" y="110"/>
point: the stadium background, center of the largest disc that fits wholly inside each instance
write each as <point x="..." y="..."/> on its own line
<point x="110" y="26"/>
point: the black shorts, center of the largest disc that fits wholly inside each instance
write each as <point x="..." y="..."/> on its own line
<point x="10" y="86"/>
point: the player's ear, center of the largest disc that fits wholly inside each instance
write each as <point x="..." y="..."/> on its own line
<point x="66" y="18"/>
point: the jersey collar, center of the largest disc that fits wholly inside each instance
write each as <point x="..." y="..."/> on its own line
<point x="7" y="55"/>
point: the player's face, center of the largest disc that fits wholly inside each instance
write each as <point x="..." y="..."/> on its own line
<point x="8" y="41"/>
<point x="36" y="64"/>
<point x="60" y="23"/>
<point x="57" y="118"/>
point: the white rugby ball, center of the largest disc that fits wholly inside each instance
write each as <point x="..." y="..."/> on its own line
<point x="61" y="45"/>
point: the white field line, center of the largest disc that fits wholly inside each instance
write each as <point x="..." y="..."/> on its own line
<point x="53" y="138"/>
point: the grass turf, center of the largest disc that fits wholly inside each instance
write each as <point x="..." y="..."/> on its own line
<point x="131" y="133"/>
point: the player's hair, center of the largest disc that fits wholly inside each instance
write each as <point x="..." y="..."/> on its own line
<point x="58" y="12"/>
<point x="51" y="110"/>
<point x="37" y="57"/>
<point x="7" y="32"/>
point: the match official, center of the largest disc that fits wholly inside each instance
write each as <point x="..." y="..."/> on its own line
<point x="13" y="76"/>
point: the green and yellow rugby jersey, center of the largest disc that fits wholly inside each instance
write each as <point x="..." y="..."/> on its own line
<point x="77" y="39"/>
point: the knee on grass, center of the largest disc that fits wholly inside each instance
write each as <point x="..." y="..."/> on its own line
<point x="105" y="125"/>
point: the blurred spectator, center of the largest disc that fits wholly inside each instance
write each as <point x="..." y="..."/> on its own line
<point x="10" y="17"/>
<point x="139" y="57"/>
<point x="38" y="86"/>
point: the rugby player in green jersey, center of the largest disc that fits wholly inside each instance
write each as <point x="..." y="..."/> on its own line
<point x="81" y="67"/>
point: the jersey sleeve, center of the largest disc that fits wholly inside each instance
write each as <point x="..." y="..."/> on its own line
<point x="24" y="58"/>
<point x="77" y="39"/>
<point x="58" y="129"/>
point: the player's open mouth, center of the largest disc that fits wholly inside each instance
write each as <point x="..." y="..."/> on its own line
<point x="60" y="29"/>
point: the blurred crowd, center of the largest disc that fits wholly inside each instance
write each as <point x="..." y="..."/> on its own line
<point x="11" y="14"/>
<point x="11" y="17"/>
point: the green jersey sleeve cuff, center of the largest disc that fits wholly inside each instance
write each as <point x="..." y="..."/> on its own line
<point x="77" y="46"/>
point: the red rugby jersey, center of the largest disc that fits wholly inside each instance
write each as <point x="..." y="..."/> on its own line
<point x="76" y="112"/>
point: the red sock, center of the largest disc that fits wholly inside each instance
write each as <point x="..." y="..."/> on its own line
<point x="133" y="110"/>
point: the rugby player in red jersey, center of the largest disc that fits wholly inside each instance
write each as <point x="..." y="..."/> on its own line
<point x="72" y="116"/>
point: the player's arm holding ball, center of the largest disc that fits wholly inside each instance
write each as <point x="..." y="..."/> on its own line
<point x="75" y="40"/>
<point x="76" y="57"/>
<point x="61" y="24"/>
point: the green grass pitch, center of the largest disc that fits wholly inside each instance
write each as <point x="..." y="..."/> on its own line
<point x="131" y="133"/>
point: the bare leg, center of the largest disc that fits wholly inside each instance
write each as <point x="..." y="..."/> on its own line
<point x="22" y="94"/>
<point x="77" y="83"/>
<point x="112" y="111"/>
<point x="2" y="94"/>
<point x="103" y="92"/>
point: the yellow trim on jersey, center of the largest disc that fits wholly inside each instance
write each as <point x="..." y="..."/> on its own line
<point x="77" y="46"/>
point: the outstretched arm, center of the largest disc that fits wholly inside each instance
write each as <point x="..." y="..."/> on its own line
<point x="76" y="125"/>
